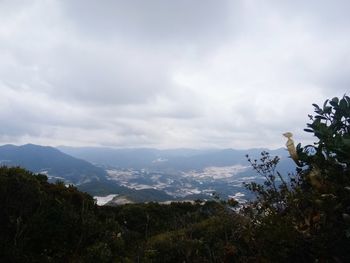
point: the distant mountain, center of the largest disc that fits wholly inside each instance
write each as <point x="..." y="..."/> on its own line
<point x="173" y="159"/>
<point x="136" y="158"/>
<point x="50" y="161"/>
<point x="125" y="158"/>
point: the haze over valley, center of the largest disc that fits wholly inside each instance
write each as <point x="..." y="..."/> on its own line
<point x="143" y="175"/>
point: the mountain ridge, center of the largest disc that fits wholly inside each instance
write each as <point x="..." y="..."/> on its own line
<point x="169" y="158"/>
<point x="50" y="161"/>
<point x="144" y="174"/>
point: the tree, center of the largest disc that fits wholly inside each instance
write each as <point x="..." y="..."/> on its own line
<point x="43" y="222"/>
<point x="307" y="215"/>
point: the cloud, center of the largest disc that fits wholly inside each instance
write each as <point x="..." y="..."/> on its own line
<point x="151" y="21"/>
<point x="168" y="73"/>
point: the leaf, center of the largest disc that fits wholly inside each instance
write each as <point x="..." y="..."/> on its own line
<point x="327" y="109"/>
<point x="320" y="117"/>
<point x="308" y="130"/>
<point x="334" y="102"/>
<point x="343" y="104"/>
<point x="335" y="99"/>
<point x="316" y="106"/>
<point x="325" y="105"/>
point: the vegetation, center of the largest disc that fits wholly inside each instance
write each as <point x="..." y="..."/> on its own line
<point x="43" y="222"/>
<point x="303" y="217"/>
<point x="307" y="218"/>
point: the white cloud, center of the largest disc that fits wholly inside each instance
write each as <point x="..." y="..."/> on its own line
<point x="168" y="73"/>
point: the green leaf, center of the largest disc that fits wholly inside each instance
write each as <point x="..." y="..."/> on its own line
<point x="325" y="104"/>
<point x="327" y="109"/>
<point x="335" y="99"/>
<point x="343" y="104"/>
<point x="320" y="117"/>
<point x="316" y="106"/>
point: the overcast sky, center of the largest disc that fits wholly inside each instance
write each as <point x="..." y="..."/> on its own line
<point x="168" y="74"/>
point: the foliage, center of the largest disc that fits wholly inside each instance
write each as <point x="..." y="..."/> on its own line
<point x="43" y="222"/>
<point x="307" y="216"/>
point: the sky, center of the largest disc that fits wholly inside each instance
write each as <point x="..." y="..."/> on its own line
<point x="168" y="74"/>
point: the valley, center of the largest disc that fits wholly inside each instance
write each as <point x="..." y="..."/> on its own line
<point x="188" y="185"/>
<point x="119" y="176"/>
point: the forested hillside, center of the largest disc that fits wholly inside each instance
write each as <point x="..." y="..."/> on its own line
<point x="43" y="222"/>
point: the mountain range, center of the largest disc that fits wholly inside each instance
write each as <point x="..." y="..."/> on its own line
<point x="144" y="174"/>
<point x="173" y="159"/>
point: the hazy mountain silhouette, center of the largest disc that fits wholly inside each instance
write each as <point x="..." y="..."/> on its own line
<point x="173" y="159"/>
<point x="49" y="160"/>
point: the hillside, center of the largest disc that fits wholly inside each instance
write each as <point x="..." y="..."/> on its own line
<point x="50" y="161"/>
<point x="67" y="226"/>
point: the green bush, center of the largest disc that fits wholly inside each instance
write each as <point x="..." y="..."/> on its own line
<point x="307" y="216"/>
